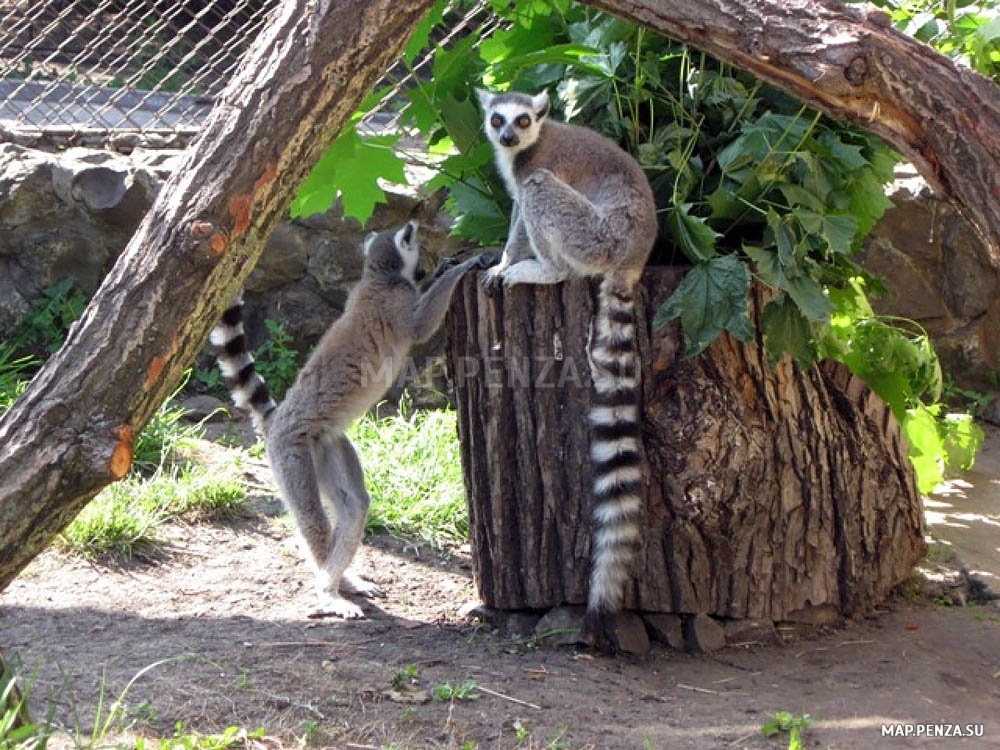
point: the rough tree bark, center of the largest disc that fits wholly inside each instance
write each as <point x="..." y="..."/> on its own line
<point x="853" y="66"/>
<point x="71" y="433"/>
<point x="774" y="494"/>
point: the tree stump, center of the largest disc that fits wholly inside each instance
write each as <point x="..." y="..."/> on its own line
<point x="773" y="494"/>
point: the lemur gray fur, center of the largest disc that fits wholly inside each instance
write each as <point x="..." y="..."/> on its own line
<point x="583" y="207"/>
<point x="359" y="357"/>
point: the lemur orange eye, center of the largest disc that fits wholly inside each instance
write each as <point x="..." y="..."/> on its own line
<point x="496" y="121"/>
<point x="523" y="122"/>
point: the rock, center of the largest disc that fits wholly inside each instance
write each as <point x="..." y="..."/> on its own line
<point x="667" y="629"/>
<point x="519" y="624"/>
<point x="939" y="274"/>
<point x="630" y="634"/>
<point x="513" y="624"/>
<point x="560" y="626"/>
<point x="705" y="633"/>
<point x="204" y="409"/>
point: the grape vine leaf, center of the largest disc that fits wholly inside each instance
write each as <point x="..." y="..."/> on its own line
<point x="351" y="167"/>
<point x="711" y="298"/>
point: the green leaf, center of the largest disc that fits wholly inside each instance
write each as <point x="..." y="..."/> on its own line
<point x="479" y="217"/>
<point x="926" y="447"/>
<point x="840" y="232"/>
<point x="692" y="233"/>
<point x="787" y="331"/>
<point x="963" y="439"/>
<point x="462" y="120"/>
<point x="587" y="59"/>
<point x="807" y="294"/>
<point x="351" y="167"/>
<point x="810" y="298"/>
<point x="422" y="33"/>
<point x="711" y="298"/>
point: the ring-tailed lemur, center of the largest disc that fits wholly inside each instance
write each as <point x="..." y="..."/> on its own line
<point x="359" y="357"/>
<point x="583" y="207"/>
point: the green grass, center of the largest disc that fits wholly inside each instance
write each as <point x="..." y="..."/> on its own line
<point x="17" y="730"/>
<point x="124" y="519"/>
<point x="116" y="723"/>
<point x="413" y="472"/>
<point x="163" y="439"/>
<point x="14" y="370"/>
<point x="784" y="721"/>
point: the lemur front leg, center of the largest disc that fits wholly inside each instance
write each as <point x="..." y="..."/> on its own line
<point x="430" y="308"/>
<point x="517" y="248"/>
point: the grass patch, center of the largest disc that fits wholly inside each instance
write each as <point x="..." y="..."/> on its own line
<point x="124" y="519"/>
<point x="414" y="474"/>
<point x="14" y="374"/>
<point x="166" y="435"/>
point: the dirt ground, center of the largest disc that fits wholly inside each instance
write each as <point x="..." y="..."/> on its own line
<point x="214" y="634"/>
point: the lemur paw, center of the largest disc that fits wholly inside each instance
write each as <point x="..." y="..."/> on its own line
<point x="352" y="583"/>
<point x="488" y="258"/>
<point x="493" y="278"/>
<point x="334" y="605"/>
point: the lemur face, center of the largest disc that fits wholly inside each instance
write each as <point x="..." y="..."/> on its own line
<point x="393" y="252"/>
<point x="513" y="121"/>
<point x="409" y="250"/>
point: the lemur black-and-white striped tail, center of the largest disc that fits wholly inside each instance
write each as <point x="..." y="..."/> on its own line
<point x="237" y="365"/>
<point x="615" y="449"/>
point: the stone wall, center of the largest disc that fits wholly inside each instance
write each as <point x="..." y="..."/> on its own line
<point x="940" y="275"/>
<point x="71" y="213"/>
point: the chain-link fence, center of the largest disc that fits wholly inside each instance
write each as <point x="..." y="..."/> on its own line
<point x="75" y="68"/>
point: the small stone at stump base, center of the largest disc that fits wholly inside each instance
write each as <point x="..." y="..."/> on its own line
<point x="705" y="633"/>
<point x="667" y="629"/>
<point x="561" y="626"/>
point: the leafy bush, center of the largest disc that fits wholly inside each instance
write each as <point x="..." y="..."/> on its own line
<point x="52" y="313"/>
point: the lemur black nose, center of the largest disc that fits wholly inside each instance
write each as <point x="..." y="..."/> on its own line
<point x="508" y="139"/>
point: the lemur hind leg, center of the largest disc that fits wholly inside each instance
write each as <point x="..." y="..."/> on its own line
<point x="342" y="486"/>
<point x="293" y="464"/>
<point x="575" y="232"/>
<point x="321" y="483"/>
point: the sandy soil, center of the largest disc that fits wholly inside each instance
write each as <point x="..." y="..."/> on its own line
<point x="214" y="634"/>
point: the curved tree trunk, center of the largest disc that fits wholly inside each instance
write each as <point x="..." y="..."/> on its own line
<point x="774" y="494"/>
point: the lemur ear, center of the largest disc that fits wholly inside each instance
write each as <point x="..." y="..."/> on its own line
<point x="408" y="233"/>
<point x="485" y="97"/>
<point x="540" y="103"/>
<point x="369" y="240"/>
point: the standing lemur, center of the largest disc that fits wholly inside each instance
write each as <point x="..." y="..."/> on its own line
<point x="583" y="207"/>
<point x="359" y="357"/>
